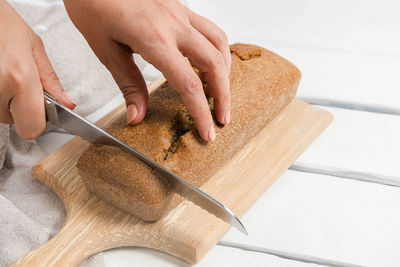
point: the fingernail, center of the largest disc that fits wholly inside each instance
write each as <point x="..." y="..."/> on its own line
<point x="131" y="113"/>
<point x="228" y="117"/>
<point x="211" y="134"/>
<point x="69" y="99"/>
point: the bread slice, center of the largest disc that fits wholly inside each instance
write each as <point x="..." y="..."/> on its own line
<point x="262" y="84"/>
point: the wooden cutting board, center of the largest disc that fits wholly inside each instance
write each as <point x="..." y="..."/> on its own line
<point x="188" y="232"/>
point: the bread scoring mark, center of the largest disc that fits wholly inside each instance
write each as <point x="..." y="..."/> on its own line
<point x="245" y="53"/>
<point x="182" y="124"/>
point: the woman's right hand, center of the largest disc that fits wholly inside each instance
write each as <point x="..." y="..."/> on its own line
<point x="25" y="71"/>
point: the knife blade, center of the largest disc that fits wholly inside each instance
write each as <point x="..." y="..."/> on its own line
<point x="62" y="117"/>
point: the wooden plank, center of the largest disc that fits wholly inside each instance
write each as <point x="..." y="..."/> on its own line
<point x="359" y="141"/>
<point x="187" y="232"/>
<point x="349" y="25"/>
<point x="217" y="257"/>
<point x="327" y="217"/>
<point x="339" y="59"/>
<point x="354" y="79"/>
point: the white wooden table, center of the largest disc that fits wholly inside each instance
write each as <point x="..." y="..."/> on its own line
<point x="340" y="202"/>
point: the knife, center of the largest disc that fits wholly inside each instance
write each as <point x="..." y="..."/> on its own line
<point x="62" y="117"/>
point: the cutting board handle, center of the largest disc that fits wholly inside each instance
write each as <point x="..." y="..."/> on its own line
<point x="73" y="244"/>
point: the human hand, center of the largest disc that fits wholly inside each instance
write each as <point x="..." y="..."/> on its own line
<point x="25" y="71"/>
<point x="163" y="33"/>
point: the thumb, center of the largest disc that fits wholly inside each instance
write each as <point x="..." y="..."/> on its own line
<point x="48" y="77"/>
<point x="130" y="81"/>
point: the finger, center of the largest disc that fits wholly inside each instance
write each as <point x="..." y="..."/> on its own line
<point x="214" y="34"/>
<point x="211" y="63"/>
<point x="5" y="97"/>
<point x="48" y="77"/>
<point x="5" y="114"/>
<point x="179" y="73"/>
<point x="127" y="75"/>
<point x="27" y="104"/>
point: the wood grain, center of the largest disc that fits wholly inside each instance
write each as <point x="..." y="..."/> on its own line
<point x="188" y="232"/>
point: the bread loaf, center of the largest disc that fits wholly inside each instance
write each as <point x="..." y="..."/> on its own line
<point x="262" y="84"/>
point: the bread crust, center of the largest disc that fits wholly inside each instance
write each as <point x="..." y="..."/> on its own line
<point x="262" y="84"/>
